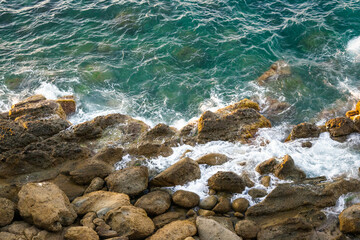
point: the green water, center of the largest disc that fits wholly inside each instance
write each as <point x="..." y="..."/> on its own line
<point x="169" y="60"/>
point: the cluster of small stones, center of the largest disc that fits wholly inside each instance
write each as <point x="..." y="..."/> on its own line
<point x="58" y="181"/>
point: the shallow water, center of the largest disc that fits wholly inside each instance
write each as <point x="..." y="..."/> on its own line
<point x="168" y="61"/>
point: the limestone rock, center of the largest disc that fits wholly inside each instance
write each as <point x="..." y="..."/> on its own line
<point x="240" y="205"/>
<point x="210" y="229"/>
<point x="7" y="210"/>
<point x="81" y="233"/>
<point x="180" y="229"/>
<point x="350" y="219"/>
<point x="304" y="130"/>
<point x="100" y="202"/>
<point x="226" y="182"/>
<point x="46" y="206"/>
<point x="167" y="218"/>
<point x="184" y="171"/>
<point x="186" y="199"/>
<point x="130" y="221"/>
<point x="154" y="203"/>
<point x="213" y="159"/>
<point x="131" y="181"/>
<point x="208" y="203"/>
<point x="247" y="229"/>
<point x="340" y="126"/>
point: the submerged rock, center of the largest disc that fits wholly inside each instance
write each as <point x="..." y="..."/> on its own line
<point x="184" y="171"/>
<point x="46" y="206"/>
<point x="277" y="69"/>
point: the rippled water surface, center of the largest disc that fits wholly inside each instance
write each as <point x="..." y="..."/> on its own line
<point x="167" y="61"/>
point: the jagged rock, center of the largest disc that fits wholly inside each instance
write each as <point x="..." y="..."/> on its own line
<point x="304" y="130"/>
<point x="81" y="233"/>
<point x="257" y="193"/>
<point x="100" y="202"/>
<point x="110" y="155"/>
<point x="184" y="171"/>
<point x="150" y="149"/>
<point x="131" y="181"/>
<point x="230" y="124"/>
<point x="160" y="132"/>
<point x="7" y="210"/>
<point x="180" y="229"/>
<point x="240" y="205"/>
<point x="285" y="169"/>
<point x="340" y="126"/>
<point x="226" y="182"/>
<point x="247" y="229"/>
<point x="213" y="159"/>
<point x="88" y="219"/>
<point x="185" y="199"/>
<point x="350" y="219"/>
<point x="223" y="206"/>
<point x="71" y="189"/>
<point x="68" y="104"/>
<point x="86" y="171"/>
<point x="154" y="203"/>
<point x="46" y="206"/>
<point x="131" y="222"/>
<point x="209" y="229"/>
<point x="278" y="69"/>
<point x="208" y="202"/>
<point x="95" y="185"/>
<point x="265" y="181"/>
<point x="288" y="197"/>
<point x="167" y="218"/>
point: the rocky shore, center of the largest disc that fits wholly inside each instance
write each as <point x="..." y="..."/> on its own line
<point x="58" y="180"/>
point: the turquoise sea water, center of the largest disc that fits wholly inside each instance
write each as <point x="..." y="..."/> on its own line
<point x="166" y="61"/>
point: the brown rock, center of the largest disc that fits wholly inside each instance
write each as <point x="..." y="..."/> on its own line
<point x="205" y="213"/>
<point x="87" y="220"/>
<point x="81" y="233"/>
<point x="180" y="229"/>
<point x="265" y="181"/>
<point x="267" y="166"/>
<point x="247" y="229"/>
<point x="160" y="132"/>
<point x="226" y="182"/>
<point x="110" y="155"/>
<point x="131" y="181"/>
<point x="88" y="170"/>
<point x="350" y="219"/>
<point x="46" y="206"/>
<point x="68" y="105"/>
<point x="257" y="193"/>
<point x="340" y="126"/>
<point x="278" y="69"/>
<point x="95" y="185"/>
<point x="240" y="205"/>
<point x="213" y="159"/>
<point x="71" y="189"/>
<point x="208" y="202"/>
<point x="210" y="229"/>
<point x="154" y="203"/>
<point x="304" y="130"/>
<point x="130" y="222"/>
<point x="7" y="210"/>
<point x="223" y="206"/>
<point x="150" y="149"/>
<point x="100" y="202"/>
<point x="184" y="171"/>
<point x="167" y="217"/>
<point x="306" y="144"/>
<point x="185" y="199"/>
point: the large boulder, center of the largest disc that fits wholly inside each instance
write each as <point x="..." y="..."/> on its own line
<point x="154" y="203"/>
<point x="131" y="181"/>
<point x="46" y="206"/>
<point x="185" y="199"/>
<point x="237" y="122"/>
<point x="226" y="182"/>
<point x="130" y="221"/>
<point x="100" y="202"/>
<point x="175" y="230"/>
<point x="340" y="126"/>
<point x="87" y="170"/>
<point x="184" y="171"/>
<point x="210" y="229"/>
<point x="304" y="130"/>
<point x="283" y="169"/>
<point x="7" y="210"/>
<point x="350" y="219"/>
<point x="81" y="233"/>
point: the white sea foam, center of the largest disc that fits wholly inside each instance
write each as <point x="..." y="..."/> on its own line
<point x="353" y="48"/>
